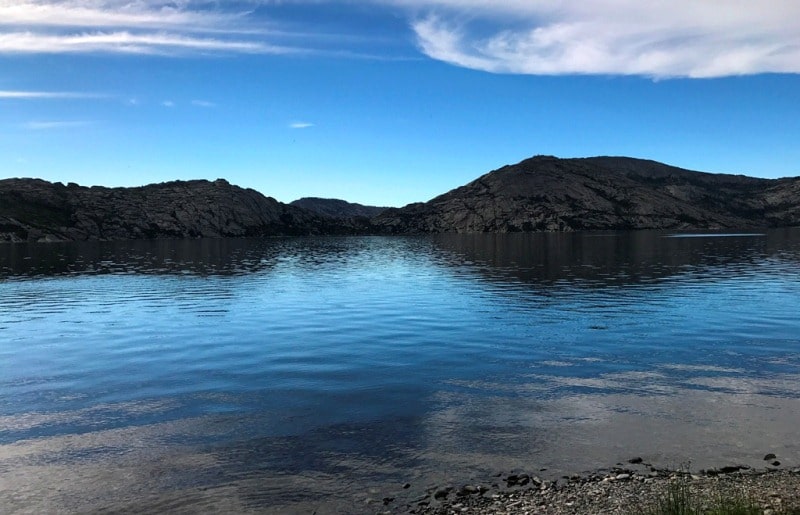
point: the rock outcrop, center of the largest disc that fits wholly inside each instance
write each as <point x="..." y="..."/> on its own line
<point x="336" y="208"/>
<point x="545" y="193"/>
<point x="36" y="210"/>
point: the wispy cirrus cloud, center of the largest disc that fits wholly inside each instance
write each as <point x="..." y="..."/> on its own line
<point x="151" y="27"/>
<point x="26" y="95"/>
<point x="300" y="125"/>
<point x="680" y="38"/>
<point x="126" y="42"/>
<point x="126" y="26"/>
<point x="56" y="124"/>
<point x="203" y="103"/>
<point x="151" y="14"/>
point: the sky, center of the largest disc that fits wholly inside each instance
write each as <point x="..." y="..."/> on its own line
<point x="387" y="102"/>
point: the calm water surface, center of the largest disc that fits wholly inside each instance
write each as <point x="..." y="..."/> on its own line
<point x="293" y="375"/>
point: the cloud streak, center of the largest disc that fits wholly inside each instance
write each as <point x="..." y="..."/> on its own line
<point x="56" y="124"/>
<point x="108" y="13"/>
<point x="28" y="95"/>
<point x="680" y="38"/>
<point x="300" y="125"/>
<point x="159" y="27"/>
<point x="127" y="42"/>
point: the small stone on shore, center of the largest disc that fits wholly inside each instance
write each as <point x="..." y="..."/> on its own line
<point x="442" y="493"/>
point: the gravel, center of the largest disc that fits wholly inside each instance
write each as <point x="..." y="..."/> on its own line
<point x="615" y="491"/>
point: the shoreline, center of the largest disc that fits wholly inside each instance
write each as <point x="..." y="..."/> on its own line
<point x="633" y="487"/>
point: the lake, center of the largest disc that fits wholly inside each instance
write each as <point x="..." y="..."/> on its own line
<point x="303" y="374"/>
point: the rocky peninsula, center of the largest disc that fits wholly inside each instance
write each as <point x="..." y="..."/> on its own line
<point x="543" y="193"/>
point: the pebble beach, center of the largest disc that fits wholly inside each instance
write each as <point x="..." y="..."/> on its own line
<point x="634" y="487"/>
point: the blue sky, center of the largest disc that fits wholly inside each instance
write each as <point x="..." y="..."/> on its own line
<point x="390" y="101"/>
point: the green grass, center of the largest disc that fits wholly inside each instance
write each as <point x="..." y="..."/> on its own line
<point x="679" y="500"/>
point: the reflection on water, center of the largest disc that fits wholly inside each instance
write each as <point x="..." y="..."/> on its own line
<point x="313" y="374"/>
<point x="717" y="235"/>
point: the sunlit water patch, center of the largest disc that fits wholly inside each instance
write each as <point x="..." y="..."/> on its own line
<point x="316" y="373"/>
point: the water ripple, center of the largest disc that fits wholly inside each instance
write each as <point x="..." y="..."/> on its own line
<point x="288" y="374"/>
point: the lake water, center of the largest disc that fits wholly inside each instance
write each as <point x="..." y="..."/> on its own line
<point x="293" y="375"/>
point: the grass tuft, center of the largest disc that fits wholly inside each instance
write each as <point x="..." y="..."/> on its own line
<point x="679" y="500"/>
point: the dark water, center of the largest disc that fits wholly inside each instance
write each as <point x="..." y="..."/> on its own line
<point x="311" y="374"/>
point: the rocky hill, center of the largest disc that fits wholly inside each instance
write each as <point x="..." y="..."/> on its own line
<point x="336" y="208"/>
<point x="36" y="210"/>
<point x="539" y="194"/>
<point x="545" y="193"/>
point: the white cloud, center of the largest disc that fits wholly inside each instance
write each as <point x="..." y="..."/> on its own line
<point x="56" y="124"/>
<point x="126" y="42"/>
<point x="300" y="125"/>
<point x="168" y="103"/>
<point x="25" y="95"/>
<point x="163" y="27"/>
<point x="203" y="103"/>
<point x="656" y="38"/>
<point x="108" y="13"/>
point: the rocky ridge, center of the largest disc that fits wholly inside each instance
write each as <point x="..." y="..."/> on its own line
<point x="336" y="208"/>
<point x="543" y="193"/>
<point x="546" y="193"/>
<point x="37" y="210"/>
